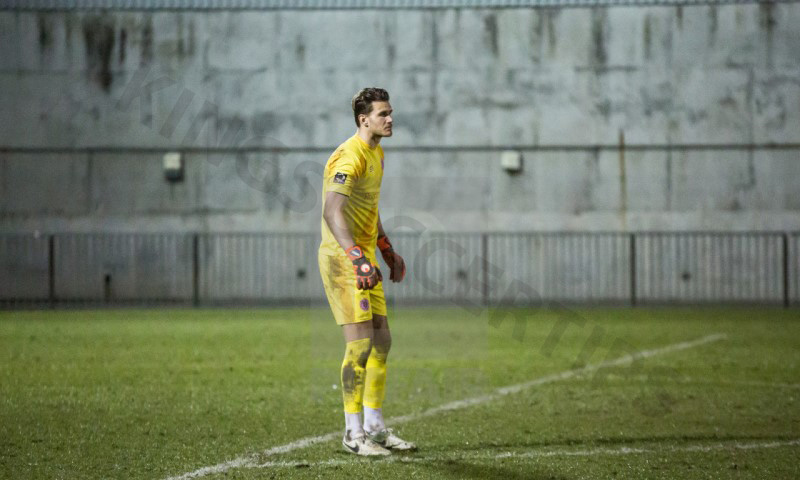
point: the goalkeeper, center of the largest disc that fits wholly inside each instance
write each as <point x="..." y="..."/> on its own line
<point x="351" y="229"/>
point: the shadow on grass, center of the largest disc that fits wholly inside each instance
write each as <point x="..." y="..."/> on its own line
<point x="607" y="441"/>
<point x="464" y="470"/>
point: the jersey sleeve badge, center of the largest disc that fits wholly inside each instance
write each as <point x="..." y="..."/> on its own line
<point x="340" y="178"/>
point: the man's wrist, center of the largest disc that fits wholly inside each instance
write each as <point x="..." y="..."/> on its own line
<point x="384" y="245"/>
<point x="354" y="253"/>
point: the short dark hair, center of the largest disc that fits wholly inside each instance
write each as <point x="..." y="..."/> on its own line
<point x="362" y="101"/>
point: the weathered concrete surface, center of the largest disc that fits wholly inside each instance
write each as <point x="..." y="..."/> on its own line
<point x="730" y="189"/>
<point x="458" y="77"/>
<point x="41" y="184"/>
<point x="462" y="79"/>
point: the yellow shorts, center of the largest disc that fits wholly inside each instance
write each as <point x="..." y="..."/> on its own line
<point x="348" y="303"/>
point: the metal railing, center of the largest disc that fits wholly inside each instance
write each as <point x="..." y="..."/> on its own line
<point x="711" y="267"/>
<point x="478" y="268"/>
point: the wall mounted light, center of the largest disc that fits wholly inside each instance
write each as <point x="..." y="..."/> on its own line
<point x="173" y="167"/>
<point x="511" y="161"/>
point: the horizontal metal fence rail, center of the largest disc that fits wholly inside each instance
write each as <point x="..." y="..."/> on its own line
<point x="710" y="267"/>
<point x="466" y="269"/>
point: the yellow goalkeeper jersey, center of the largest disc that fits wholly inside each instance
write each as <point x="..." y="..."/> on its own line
<point x="356" y="170"/>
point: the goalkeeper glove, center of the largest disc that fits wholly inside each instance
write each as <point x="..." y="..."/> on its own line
<point x="367" y="275"/>
<point x="397" y="265"/>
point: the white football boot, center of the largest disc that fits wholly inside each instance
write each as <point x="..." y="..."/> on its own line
<point x="388" y="440"/>
<point x="362" y="445"/>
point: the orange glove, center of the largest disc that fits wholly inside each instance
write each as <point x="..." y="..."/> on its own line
<point x="397" y="265"/>
<point x="367" y="275"/>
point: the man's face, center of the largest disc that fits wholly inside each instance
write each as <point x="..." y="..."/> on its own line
<point x="379" y="120"/>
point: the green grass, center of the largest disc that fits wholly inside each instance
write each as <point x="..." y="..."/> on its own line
<point x="153" y="393"/>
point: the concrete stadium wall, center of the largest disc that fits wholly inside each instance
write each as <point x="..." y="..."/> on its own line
<point x="627" y="118"/>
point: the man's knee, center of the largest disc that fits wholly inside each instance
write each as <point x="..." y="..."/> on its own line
<point x="357" y="331"/>
<point x="384" y="345"/>
<point x="357" y="353"/>
<point x="381" y="336"/>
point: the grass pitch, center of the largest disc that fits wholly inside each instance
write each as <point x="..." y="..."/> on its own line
<point x="159" y="393"/>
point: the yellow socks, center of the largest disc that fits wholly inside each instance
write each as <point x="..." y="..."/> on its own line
<point x="363" y="385"/>
<point x="375" y="389"/>
<point x="354" y="369"/>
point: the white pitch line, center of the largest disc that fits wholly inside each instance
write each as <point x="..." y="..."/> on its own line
<point x="250" y="461"/>
<point x="595" y="452"/>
